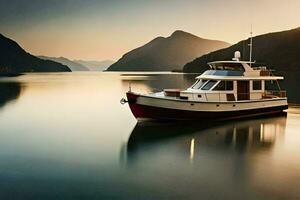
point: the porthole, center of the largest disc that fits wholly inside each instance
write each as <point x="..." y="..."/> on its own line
<point x="192" y="104"/>
<point x="233" y="105"/>
<point x="199" y="95"/>
<point x="217" y="105"/>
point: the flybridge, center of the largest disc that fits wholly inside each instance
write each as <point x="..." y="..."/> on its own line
<point x="234" y="65"/>
<point x="235" y="68"/>
<point x="230" y="65"/>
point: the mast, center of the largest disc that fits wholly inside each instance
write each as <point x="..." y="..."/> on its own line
<point x="250" y="45"/>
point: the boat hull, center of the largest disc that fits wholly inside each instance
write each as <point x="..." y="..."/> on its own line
<point x="143" y="111"/>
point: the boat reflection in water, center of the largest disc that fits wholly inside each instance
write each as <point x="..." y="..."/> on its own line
<point x="186" y="141"/>
<point x="235" y="158"/>
<point x="241" y="136"/>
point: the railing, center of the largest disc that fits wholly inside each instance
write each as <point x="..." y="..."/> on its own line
<point x="264" y="71"/>
<point x="274" y="93"/>
<point x="268" y="94"/>
<point x="260" y="68"/>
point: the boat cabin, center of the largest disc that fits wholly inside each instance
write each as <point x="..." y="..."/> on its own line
<point x="234" y="81"/>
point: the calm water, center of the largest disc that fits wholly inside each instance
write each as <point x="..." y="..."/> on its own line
<point x="66" y="136"/>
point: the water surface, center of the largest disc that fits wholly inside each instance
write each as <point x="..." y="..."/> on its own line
<point x="66" y="136"/>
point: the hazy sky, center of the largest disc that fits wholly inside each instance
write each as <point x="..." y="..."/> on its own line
<point x="98" y="29"/>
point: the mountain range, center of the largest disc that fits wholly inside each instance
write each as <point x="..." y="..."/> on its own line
<point x="181" y="50"/>
<point x="278" y="50"/>
<point x="94" y="65"/>
<point x="81" y="65"/>
<point x="166" y="54"/>
<point x="14" y="59"/>
<point x="74" y="66"/>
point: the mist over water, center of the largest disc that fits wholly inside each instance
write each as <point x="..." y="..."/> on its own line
<point x="66" y="136"/>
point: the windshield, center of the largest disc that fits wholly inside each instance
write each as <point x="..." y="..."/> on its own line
<point x="229" y="66"/>
<point x="209" y="84"/>
<point x="199" y="84"/>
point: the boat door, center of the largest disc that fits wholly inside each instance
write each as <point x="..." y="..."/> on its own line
<point x="243" y="90"/>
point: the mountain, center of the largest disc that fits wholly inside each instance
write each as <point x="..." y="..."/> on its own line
<point x="166" y="54"/>
<point x="279" y="50"/>
<point x="96" y="65"/>
<point x="14" y="59"/>
<point x="74" y="66"/>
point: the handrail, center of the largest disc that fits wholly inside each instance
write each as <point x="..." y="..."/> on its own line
<point x="276" y="93"/>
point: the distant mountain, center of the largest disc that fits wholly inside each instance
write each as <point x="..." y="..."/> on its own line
<point x="166" y="54"/>
<point x="13" y="59"/>
<point x="95" y="65"/>
<point x="74" y="66"/>
<point x="279" y="50"/>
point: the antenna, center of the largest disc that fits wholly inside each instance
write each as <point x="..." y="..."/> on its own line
<point x="250" y="45"/>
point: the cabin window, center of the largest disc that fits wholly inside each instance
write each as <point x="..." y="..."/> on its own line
<point x="199" y="84"/>
<point x="224" y="85"/>
<point x="209" y="84"/>
<point x="229" y="85"/>
<point x="271" y="85"/>
<point x="220" y="86"/>
<point x="256" y="85"/>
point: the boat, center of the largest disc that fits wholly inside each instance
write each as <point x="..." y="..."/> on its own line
<point x="228" y="90"/>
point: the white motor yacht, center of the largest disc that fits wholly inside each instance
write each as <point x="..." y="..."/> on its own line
<point x="230" y="89"/>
